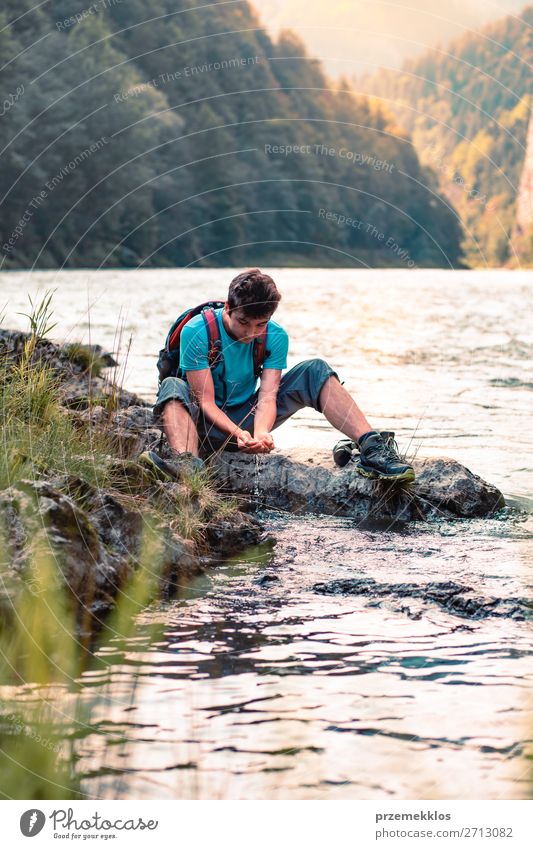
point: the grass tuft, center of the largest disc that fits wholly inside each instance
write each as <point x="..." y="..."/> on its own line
<point x="86" y="358"/>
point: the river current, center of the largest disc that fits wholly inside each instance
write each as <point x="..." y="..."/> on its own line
<point x="252" y="685"/>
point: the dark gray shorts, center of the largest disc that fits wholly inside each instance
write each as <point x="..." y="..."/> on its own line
<point x="299" y="387"/>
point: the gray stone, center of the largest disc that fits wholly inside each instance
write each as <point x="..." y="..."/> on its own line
<point x="229" y="536"/>
<point x="450" y="595"/>
<point x="94" y="538"/>
<point x="94" y="546"/>
<point x="130" y="430"/>
<point x="309" y="482"/>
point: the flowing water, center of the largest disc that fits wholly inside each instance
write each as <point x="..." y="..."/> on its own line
<point x="253" y="685"/>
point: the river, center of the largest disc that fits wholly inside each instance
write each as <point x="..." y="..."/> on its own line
<point x="251" y="685"/>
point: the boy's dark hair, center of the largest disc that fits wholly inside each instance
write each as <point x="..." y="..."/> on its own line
<point x="253" y="292"/>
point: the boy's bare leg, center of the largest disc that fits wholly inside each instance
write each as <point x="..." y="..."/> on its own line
<point x="179" y="428"/>
<point x="341" y="410"/>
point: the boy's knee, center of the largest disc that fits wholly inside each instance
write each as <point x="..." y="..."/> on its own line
<point x="319" y="365"/>
<point x="319" y="373"/>
<point x="172" y="391"/>
<point x="170" y="384"/>
<point x="318" y="370"/>
<point x="313" y="366"/>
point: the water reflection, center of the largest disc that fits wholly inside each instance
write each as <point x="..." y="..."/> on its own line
<point x="263" y="689"/>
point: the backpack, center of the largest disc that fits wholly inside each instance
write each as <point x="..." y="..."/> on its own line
<point x="168" y="363"/>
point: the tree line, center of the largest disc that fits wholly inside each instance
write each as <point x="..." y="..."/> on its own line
<point x="467" y="106"/>
<point x="173" y="134"/>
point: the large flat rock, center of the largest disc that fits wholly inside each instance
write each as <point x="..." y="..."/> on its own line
<point x="308" y="481"/>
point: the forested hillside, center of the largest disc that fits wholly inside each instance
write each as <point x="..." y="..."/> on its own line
<point x="170" y="133"/>
<point x="467" y="107"/>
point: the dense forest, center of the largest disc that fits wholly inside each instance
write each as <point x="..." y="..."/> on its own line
<point x="165" y="133"/>
<point x="467" y="107"/>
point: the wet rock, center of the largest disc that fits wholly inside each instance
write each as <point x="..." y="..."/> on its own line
<point x="81" y="391"/>
<point x="451" y="596"/>
<point x="137" y="422"/>
<point x="309" y="481"/>
<point x="180" y="563"/>
<point x="227" y="537"/>
<point x="94" y="546"/>
<point x="129" y="431"/>
<point x="266" y="580"/>
<point x="450" y="488"/>
<point x="135" y="418"/>
<point x="96" y="543"/>
<point x="95" y="540"/>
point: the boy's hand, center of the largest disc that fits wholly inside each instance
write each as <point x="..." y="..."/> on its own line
<point x="245" y="440"/>
<point x="260" y="444"/>
<point x="266" y="440"/>
<point x="248" y="443"/>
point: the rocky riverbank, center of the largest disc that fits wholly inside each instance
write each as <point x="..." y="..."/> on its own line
<point x="70" y="484"/>
<point x="92" y="500"/>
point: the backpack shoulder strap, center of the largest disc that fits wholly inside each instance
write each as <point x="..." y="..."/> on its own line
<point x="174" y="334"/>
<point x="168" y="363"/>
<point x="173" y="337"/>
<point x="214" y="352"/>
<point x="260" y="353"/>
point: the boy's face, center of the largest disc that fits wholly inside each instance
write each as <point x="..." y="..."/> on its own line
<point x="243" y="328"/>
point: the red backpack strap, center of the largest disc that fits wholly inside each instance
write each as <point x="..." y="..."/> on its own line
<point x="214" y="352"/>
<point x="173" y="339"/>
<point x="174" y="334"/>
<point x="260" y="353"/>
<point x="168" y="363"/>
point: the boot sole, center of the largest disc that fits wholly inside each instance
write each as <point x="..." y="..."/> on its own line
<point x="407" y="477"/>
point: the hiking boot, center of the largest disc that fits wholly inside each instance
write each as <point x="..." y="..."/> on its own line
<point x="379" y="459"/>
<point x="390" y="438"/>
<point x="171" y="470"/>
<point x="343" y="452"/>
<point x="346" y="450"/>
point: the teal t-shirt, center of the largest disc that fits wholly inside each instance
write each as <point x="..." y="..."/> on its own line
<point x="237" y="369"/>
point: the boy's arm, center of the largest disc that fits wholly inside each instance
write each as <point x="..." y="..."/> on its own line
<point x="265" y="414"/>
<point x="203" y="389"/>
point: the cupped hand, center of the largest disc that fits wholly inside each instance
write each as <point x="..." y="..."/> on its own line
<point x="266" y="440"/>
<point x="260" y="444"/>
<point x="246" y="442"/>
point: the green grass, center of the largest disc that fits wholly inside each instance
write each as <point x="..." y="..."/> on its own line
<point x="38" y="436"/>
<point x="85" y="357"/>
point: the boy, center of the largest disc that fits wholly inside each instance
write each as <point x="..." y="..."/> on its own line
<point x="220" y="407"/>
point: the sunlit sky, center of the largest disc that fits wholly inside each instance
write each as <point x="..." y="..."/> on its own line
<point x="357" y="36"/>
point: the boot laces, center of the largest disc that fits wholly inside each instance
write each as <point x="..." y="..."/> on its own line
<point x="385" y="450"/>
